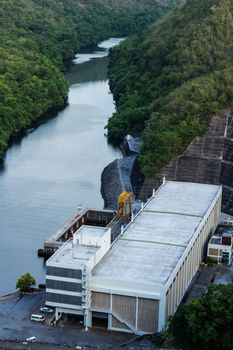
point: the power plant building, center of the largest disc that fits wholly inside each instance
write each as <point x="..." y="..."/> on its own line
<point x="135" y="283"/>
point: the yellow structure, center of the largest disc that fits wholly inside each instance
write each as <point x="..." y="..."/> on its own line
<point x="124" y="205"/>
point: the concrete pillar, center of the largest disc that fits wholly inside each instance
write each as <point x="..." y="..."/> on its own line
<point x="175" y="293"/>
<point x="110" y="301"/>
<point x="109" y="321"/>
<point x="57" y="314"/>
<point x="110" y="313"/>
<point x="136" y="314"/>
<point x="189" y="267"/>
<point x="172" y="299"/>
<point x="87" y="319"/>
<point x="162" y="311"/>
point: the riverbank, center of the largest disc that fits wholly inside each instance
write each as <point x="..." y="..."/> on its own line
<point x="34" y="124"/>
<point x="36" y="50"/>
<point x="55" y="168"/>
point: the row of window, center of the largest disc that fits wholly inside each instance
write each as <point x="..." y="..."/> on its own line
<point x="63" y="299"/>
<point x="61" y="285"/>
<point x="62" y="272"/>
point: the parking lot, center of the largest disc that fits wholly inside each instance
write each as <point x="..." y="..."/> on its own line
<point x="15" y="324"/>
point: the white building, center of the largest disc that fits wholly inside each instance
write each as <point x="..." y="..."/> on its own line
<point x="143" y="277"/>
<point x="220" y="246"/>
<point x="68" y="271"/>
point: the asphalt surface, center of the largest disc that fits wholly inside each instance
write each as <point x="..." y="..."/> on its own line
<point x="15" y="325"/>
<point x="38" y="346"/>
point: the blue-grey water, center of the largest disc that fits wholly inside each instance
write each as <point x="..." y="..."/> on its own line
<point x="54" y="168"/>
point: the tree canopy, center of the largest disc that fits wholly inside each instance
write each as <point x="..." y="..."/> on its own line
<point x="25" y="282"/>
<point x="205" y="323"/>
<point x="169" y="81"/>
<point x="39" y="37"/>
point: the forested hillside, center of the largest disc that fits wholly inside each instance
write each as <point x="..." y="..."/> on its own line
<point x="170" y="81"/>
<point x="37" y="39"/>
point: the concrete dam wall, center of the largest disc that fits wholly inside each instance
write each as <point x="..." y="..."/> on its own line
<point x="208" y="159"/>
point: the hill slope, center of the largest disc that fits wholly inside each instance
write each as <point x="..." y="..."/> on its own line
<point x="39" y="36"/>
<point x="171" y="80"/>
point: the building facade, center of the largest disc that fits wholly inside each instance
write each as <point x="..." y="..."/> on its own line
<point x="68" y="271"/>
<point x="141" y="279"/>
<point x="220" y="246"/>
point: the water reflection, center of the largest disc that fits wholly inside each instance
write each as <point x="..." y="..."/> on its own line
<point x="93" y="70"/>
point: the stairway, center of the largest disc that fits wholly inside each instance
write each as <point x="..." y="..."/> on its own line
<point x="127" y="323"/>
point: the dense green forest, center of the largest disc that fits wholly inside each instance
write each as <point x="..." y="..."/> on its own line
<point x="204" y="323"/>
<point x="39" y="37"/>
<point x="170" y="80"/>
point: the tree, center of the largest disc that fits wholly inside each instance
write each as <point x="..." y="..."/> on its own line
<point x="26" y="281"/>
<point x="171" y="79"/>
<point x="205" y="323"/>
<point x="40" y="37"/>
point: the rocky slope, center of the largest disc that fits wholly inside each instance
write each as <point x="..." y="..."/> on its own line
<point x="208" y="159"/>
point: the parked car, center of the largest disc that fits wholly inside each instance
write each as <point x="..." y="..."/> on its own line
<point x="46" y="310"/>
<point x="38" y="318"/>
<point x="31" y="339"/>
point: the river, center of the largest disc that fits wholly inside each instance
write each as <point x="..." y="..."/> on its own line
<point x="54" y="168"/>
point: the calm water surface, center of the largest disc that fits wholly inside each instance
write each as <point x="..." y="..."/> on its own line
<point x="54" y="168"/>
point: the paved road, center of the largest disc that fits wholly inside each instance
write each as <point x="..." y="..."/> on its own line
<point x="15" y="324"/>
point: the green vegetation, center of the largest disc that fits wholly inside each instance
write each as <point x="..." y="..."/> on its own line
<point x="39" y="37"/>
<point x="169" y="81"/>
<point x="205" y="323"/>
<point x="25" y="282"/>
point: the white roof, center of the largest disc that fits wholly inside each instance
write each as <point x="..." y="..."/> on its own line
<point x="72" y="256"/>
<point x="94" y="231"/>
<point x="184" y="198"/>
<point x="152" y="245"/>
<point x="75" y="254"/>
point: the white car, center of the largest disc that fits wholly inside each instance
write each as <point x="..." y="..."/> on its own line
<point x="47" y="310"/>
<point x="31" y="339"/>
